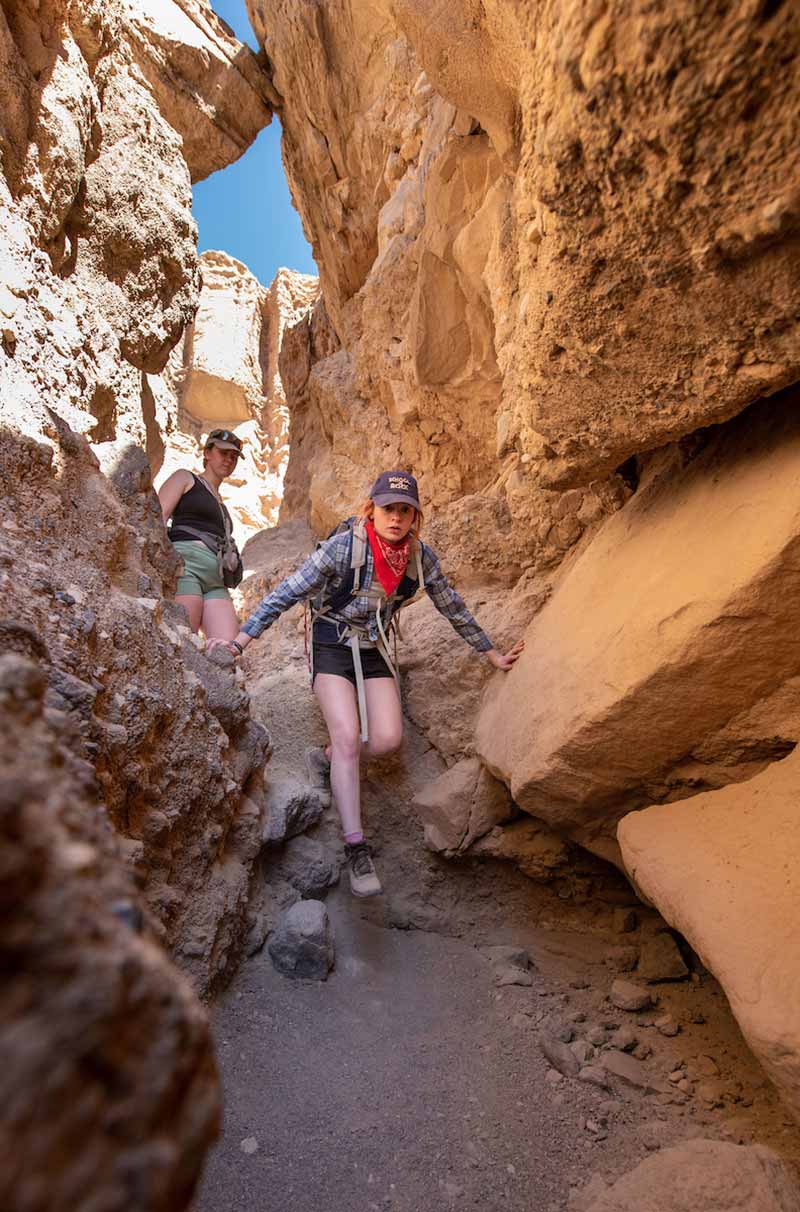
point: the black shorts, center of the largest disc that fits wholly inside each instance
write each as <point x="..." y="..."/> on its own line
<point x="338" y="659"/>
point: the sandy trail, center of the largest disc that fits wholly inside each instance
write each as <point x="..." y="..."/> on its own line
<point x="399" y="1083"/>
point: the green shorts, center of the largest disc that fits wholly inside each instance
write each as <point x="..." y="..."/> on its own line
<point x="201" y="576"/>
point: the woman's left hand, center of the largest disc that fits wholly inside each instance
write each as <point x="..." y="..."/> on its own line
<point x="504" y="661"/>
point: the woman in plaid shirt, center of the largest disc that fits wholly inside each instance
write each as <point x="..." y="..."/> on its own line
<point x="359" y="578"/>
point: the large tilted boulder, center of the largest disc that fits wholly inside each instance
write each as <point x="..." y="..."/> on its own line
<point x="664" y="661"/>
<point x="724" y="869"/>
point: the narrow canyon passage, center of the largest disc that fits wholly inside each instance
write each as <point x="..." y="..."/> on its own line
<point x="399" y="1083"/>
<point x="548" y="265"/>
<point x="415" y="1076"/>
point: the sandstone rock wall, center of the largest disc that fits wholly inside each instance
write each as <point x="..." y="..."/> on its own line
<point x="102" y="112"/>
<point x="131" y="769"/>
<point x="548" y="236"/>
<point x="224" y="373"/>
<point x="557" y="248"/>
<point x="109" y="1086"/>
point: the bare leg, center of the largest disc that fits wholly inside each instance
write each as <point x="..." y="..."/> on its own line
<point x="337" y="699"/>
<point x="385" y="716"/>
<point x="219" y="619"/>
<point x="193" y="605"/>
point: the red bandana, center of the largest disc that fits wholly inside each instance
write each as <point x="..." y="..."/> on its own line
<point x="391" y="559"/>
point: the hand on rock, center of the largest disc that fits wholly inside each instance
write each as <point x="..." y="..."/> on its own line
<point x="504" y="661"/>
<point x="217" y="643"/>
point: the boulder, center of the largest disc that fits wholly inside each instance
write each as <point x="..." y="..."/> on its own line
<point x="660" y="959"/>
<point x="723" y="869"/>
<point x="291" y="808"/>
<point x="625" y="995"/>
<point x="210" y="87"/>
<point x="529" y="845"/>
<point x="652" y="668"/>
<point x="302" y="945"/>
<point x="708" y="1174"/>
<point x="462" y="805"/>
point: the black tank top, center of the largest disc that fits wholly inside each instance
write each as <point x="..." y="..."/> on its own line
<point x="199" y="509"/>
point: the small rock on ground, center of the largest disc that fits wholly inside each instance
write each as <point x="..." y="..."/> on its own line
<point x="302" y="944"/>
<point x="626" y="995"/>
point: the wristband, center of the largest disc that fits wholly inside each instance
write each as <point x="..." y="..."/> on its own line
<point x="235" y="644"/>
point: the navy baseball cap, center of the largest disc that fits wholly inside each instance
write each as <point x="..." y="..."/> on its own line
<point x="395" y="488"/>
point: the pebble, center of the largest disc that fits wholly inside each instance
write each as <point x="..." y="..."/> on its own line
<point x="621" y="959"/>
<point x="710" y="1094"/>
<point x="510" y="975"/>
<point x="625" y="995"/>
<point x="558" y="1054"/>
<point x="707" y="1066"/>
<point x="583" y="1050"/>
<point x="667" y="1025"/>
<point x="625" y="1039"/>
<point x="249" y="1144"/>
<point x="660" y="959"/>
<point x="595" y="1075"/>
<point x="597" y="1036"/>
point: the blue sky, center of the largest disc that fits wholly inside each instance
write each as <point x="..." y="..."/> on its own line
<point x="245" y="209"/>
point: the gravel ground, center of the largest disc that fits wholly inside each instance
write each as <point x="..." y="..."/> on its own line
<point x="396" y="1084"/>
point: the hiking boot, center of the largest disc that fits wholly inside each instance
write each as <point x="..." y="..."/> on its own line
<point x="319" y="774"/>
<point x="363" y="880"/>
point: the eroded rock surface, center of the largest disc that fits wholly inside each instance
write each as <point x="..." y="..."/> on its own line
<point x="723" y="869"/>
<point x="547" y="239"/>
<point x="166" y="733"/>
<point x="110" y="1093"/>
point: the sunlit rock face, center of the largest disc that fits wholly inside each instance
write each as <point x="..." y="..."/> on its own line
<point x="102" y="109"/>
<point x="664" y="662"/>
<point x="224" y="374"/>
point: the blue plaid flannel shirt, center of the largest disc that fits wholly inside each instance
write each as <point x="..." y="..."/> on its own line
<point x="330" y="564"/>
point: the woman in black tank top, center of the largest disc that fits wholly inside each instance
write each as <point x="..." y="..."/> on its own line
<point x="192" y="507"/>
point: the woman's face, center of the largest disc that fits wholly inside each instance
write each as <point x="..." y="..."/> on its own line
<point x="393" y="522"/>
<point x="221" y="462"/>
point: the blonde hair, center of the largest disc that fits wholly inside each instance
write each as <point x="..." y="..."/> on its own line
<point x="367" y="510"/>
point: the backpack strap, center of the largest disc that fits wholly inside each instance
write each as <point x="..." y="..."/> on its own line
<point x="212" y="541"/>
<point x="358" y="550"/>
